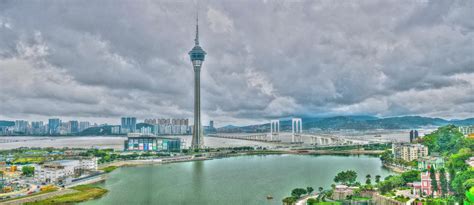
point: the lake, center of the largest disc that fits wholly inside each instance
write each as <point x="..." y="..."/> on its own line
<point x="245" y="180"/>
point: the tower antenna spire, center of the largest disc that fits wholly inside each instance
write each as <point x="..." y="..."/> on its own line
<point x="196" y="40"/>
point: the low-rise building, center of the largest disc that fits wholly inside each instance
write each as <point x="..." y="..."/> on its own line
<point x="341" y="192"/>
<point x="424" y="188"/>
<point x="58" y="171"/>
<point x="409" y="152"/>
<point x="152" y="143"/>
<point x="430" y="161"/>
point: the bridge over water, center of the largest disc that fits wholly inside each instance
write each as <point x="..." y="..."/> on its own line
<point x="288" y="138"/>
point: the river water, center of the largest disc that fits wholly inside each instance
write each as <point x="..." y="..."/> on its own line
<point x="245" y="180"/>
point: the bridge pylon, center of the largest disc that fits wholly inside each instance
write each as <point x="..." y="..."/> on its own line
<point x="296" y="130"/>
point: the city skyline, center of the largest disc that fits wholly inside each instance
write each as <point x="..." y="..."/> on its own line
<point x="415" y="62"/>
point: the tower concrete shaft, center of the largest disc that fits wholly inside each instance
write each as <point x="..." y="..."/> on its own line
<point x="197" y="55"/>
<point x="197" y="141"/>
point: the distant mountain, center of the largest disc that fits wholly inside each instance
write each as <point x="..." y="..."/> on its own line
<point x="468" y="121"/>
<point x="229" y="127"/>
<point x="354" y="122"/>
<point x="97" y="131"/>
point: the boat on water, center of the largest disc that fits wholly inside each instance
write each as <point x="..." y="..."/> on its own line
<point x="269" y="197"/>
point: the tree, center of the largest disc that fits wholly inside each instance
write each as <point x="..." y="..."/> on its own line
<point x="377" y="179"/>
<point x="311" y="201"/>
<point x="298" y="192"/>
<point x="457" y="162"/>
<point x="385" y="186"/>
<point x="28" y="171"/>
<point x="390" y="183"/>
<point x="346" y="177"/>
<point x="309" y="190"/>
<point x="367" y="181"/>
<point x="468" y="184"/>
<point x="320" y="189"/>
<point x="446" y="139"/>
<point x="457" y="183"/>
<point x="386" y="157"/>
<point x="289" y="200"/>
<point x="443" y="181"/>
<point x="411" y="176"/>
<point x="434" y="183"/>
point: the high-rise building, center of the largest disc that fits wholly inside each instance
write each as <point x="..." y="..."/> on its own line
<point x="84" y="125"/>
<point x="413" y="135"/>
<point x="54" y="126"/>
<point x="74" y="126"/>
<point x="169" y="126"/>
<point x="129" y="124"/>
<point x="197" y="55"/>
<point x="37" y="128"/>
<point x="21" y="126"/>
<point x="115" y="129"/>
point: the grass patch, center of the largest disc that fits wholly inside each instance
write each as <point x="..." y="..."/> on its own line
<point x="109" y="169"/>
<point x="29" y="160"/>
<point x="85" y="192"/>
<point x="34" y="194"/>
<point x="402" y="199"/>
<point x="328" y="203"/>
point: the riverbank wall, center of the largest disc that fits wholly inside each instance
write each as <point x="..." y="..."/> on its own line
<point x="383" y="200"/>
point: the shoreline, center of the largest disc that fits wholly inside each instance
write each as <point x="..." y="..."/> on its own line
<point x="395" y="169"/>
<point x="189" y="158"/>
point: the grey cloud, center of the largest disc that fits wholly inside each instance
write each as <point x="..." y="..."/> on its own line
<point x="266" y="59"/>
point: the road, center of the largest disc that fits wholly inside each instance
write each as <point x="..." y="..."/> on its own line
<point x="304" y="199"/>
<point x="38" y="197"/>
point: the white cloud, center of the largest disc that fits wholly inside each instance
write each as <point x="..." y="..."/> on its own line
<point x="219" y="22"/>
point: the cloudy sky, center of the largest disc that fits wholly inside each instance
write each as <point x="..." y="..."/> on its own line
<point x="100" y="60"/>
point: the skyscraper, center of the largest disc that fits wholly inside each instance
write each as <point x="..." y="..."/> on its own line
<point x="197" y="55"/>
<point x="74" y="126"/>
<point x="129" y="124"/>
<point x="21" y="126"/>
<point x="54" y="126"/>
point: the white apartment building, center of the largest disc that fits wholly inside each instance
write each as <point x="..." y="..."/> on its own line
<point x="58" y="171"/>
<point x="409" y="152"/>
<point x="466" y="130"/>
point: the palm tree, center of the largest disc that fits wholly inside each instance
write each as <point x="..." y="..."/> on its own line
<point x="377" y="179"/>
<point x="367" y="181"/>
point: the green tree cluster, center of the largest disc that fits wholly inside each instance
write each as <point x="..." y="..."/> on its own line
<point x="346" y="177"/>
<point x="434" y="182"/>
<point x="390" y="183"/>
<point x="28" y="171"/>
<point x="458" y="185"/>
<point x="411" y="176"/>
<point x="447" y="140"/>
<point x="443" y="181"/>
<point x="298" y="192"/>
